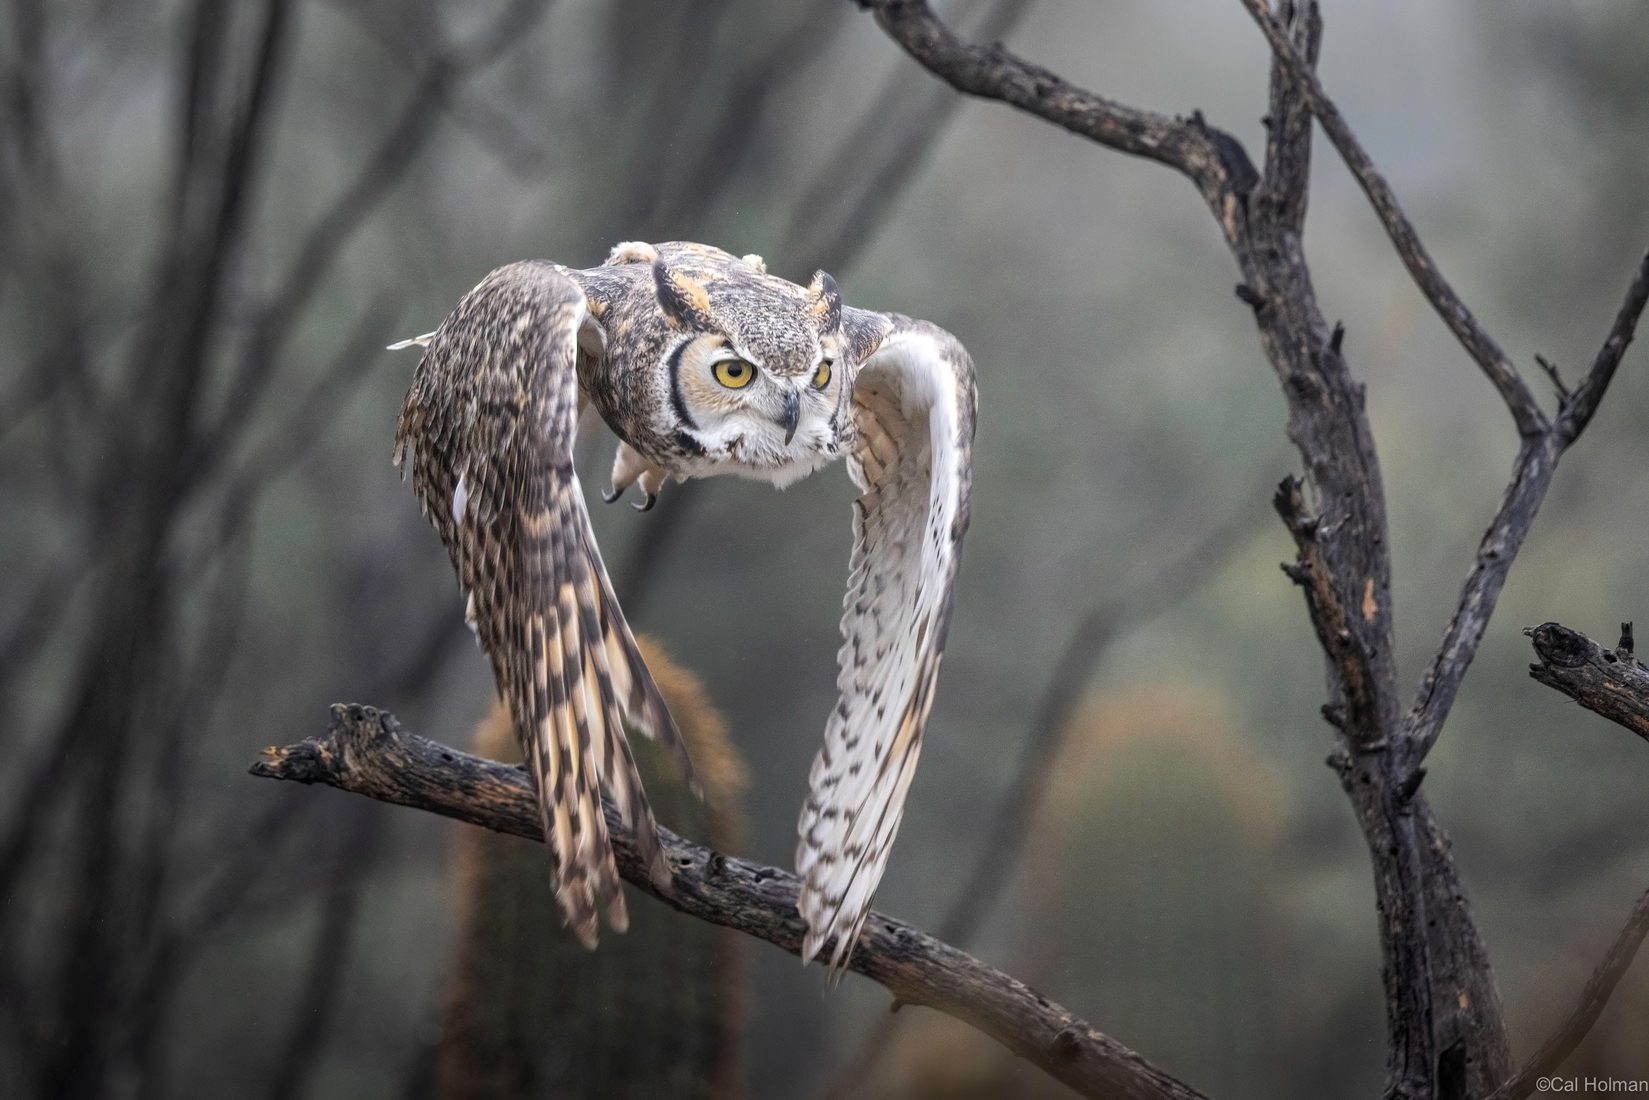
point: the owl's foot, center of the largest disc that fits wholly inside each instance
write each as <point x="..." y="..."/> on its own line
<point x="630" y="467"/>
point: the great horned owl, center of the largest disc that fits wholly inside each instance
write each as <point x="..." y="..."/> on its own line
<point x="701" y="363"/>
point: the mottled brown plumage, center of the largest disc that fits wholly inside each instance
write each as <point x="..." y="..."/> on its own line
<point x="494" y="409"/>
<point x="702" y="364"/>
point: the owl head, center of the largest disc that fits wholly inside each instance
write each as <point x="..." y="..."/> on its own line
<point x="755" y="377"/>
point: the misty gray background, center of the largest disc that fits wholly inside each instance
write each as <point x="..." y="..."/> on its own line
<point x="1195" y="886"/>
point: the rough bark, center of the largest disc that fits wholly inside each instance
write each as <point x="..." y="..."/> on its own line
<point x="1435" y="966"/>
<point x="365" y="751"/>
<point x="1446" y="1033"/>
<point x="1611" y="682"/>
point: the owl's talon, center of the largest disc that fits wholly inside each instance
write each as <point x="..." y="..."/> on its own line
<point x="609" y="495"/>
<point x="646" y="505"/>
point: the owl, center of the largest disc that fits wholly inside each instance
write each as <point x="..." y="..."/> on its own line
<point x="701" y="363"/>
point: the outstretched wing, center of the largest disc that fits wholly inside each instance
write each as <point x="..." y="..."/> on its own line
<point x="488" y="428"/>
<point x="913" y="406"/>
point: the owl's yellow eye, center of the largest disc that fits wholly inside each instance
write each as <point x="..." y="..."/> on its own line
<point x="735" y="374"/>
<point x="821" y="377"/>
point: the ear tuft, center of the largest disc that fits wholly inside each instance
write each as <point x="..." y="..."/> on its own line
<point x="827" y="301"/>
<point x="632" y="252"/>
<point x="685" y="301"/>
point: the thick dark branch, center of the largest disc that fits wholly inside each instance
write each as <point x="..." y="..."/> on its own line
<point x="1213" y="160"/>
<point x="1435" y="966"/>
<point x="1357" y="713"/>
<point x="1472" y="336"/>
<point x="1286" y="181"/>
<point x="1609" y="681"/>
<point x="1593" y="998"/>
<point x="366" y="752"/>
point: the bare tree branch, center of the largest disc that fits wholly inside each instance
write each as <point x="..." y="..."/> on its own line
<point x="1212" y="159"/>
<point x="1537" y="460"/>
<point x="1532" y="472"/>
<point x="1285" y="182"/>
<point x="1495" y="363"/>
<point x="1578" y="408"/>
<point x="365" y="751"/>
<point x="1426" y="930"/>
<point x="1593" y="998"/>
<point x="1610" y="682"/>
<point x="337" y="225"/>
<point x="1444" y="1019"/>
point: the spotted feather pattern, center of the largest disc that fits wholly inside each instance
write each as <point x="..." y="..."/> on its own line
<point x="487" y="431"/>
<point x="913" y="410"/>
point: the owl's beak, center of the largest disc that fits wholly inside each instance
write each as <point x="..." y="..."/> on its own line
<point x="792" y="414"/>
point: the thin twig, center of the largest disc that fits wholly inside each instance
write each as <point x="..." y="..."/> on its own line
<point x="1553" y="375"/>
<point x="1583" y="402"/>
<point x="755" y="87"/>
<point x="349" y="211"/>
<point x="1593" y="998"/>
<point x="1536" y="462"/>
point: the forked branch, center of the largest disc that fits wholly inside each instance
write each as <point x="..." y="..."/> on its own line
<point x="1483" y="349"/>
<point x="365" y="751"/>
<point x="1532" y="474"/>
<point x="1445" y="1028"/>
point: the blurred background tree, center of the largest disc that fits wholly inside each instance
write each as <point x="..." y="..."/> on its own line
<point x="212" y="216"/>
<point x="534" y="1015"/>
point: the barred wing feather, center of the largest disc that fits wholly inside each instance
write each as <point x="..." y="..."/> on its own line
<point x="914" y="408"/>
<point x="487" y="430"/>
